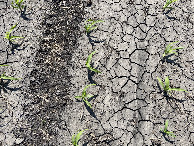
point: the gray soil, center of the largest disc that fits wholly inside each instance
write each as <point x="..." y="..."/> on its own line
<point x="129" y="106"/>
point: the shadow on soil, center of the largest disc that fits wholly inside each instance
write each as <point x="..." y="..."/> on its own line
<point x="24" y="15"/>
<point x="166" y="138"/>
<point x="5" y="88"/>
<point x="91" y="74"/>
<point x="171" y="61"/>
<point x="93" y="39"/>
<point x="167" y="14"/>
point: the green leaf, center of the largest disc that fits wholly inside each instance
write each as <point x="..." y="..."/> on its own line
<point x="169" y="48"/>
<point x="166" y="126"/>
<point x="161" y="83"/>
<point x="15" y="37"/>
<point x="14" y="6"/>
<point x="88" y="104"/>
<point x="89" y="96"/>
<point x="173" y="52"/>
<point x="89" y="27"/>
<point x="77" y="138"/>
<point x="84" y="95"/>
<point x="165" y="130"/>
<point x="78" y="97"/>
<point x="4" y="65"/>
<point x="89" y="59"/>
<point x="7" y="35"/>
<point x="73" y="140"/>
<point x="178" y="48"/>
<point x="17" y="4"/>
<point x="170" y="134"/>
<point x="177" y="89"/>
<point x="88" y="63"/>
<point x="94" y="70"/>
<point x="168" y="2"/>
<point x="12" y="28"/>
<point x="87" y="87"/>
<point x="3" y="76"/>
<point x="11" y="38"/>
<point x="167" y="84"/>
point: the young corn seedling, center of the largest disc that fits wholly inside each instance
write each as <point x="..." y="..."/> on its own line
<point x="165" y="130"/>
<point x="85" y="96"/>
<point x="169" y="49"/>
<point x="92" y="25"/>
<point x="8" y="34"/>
<point x="168" y="2"/>
<point x="4" y="77"/>
<point x="166" y="86"/>
<point x="76" y="138"/>
<point x="88" y="63"/>
<point x="18" y="4"/>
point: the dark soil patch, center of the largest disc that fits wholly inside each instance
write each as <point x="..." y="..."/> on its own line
<point x="48" y="92"/>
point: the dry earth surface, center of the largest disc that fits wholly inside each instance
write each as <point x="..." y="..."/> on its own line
<point x="129" y="107"/>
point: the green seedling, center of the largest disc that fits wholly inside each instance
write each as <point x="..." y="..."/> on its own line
<point x="8" y="34"/>
<point x="91" y="26"/>
<point x="166" y="87"/>
<point x="3" y="76"/>
<point x="17" y="4"/>
<point x="169" y="49"/>
<point x="168" y="2"/>
<point x="165" y="130"/>
<point x="88" y="63"/>
<point x="76" y="138"/>
<point x="85" y="96"/>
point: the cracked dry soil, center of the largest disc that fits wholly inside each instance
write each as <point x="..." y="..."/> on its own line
<point x="129" y="108"/>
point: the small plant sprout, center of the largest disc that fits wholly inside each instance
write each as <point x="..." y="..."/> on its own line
<point x="91" y="26"/>
<point x="76" y="138"/>
<point x="169" y="49"/>
<point x="168" y="2"/>
<point x="85" y="96"/>
<point x="166" y="87"/>
<point x="165" y="130"/>
<point x="4" y="77"/>
<point x="8" y="34"/>
<point x="88" y="63"/>
<point x="18" y="4"/>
